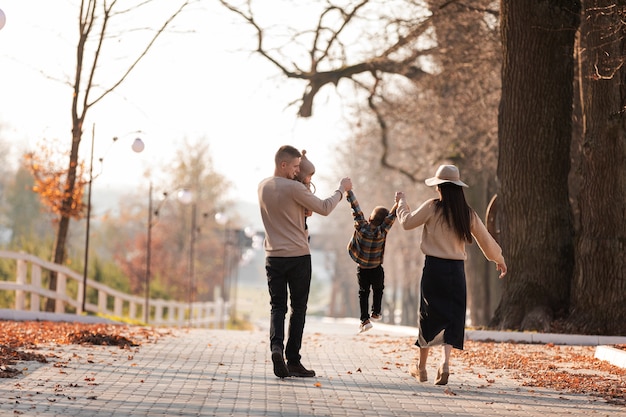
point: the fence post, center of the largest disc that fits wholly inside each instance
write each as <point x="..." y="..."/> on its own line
<point x="132" y="310"/>
<point x="20" y="279"/>
<point x="171" y="313"/>
<point x="81" y="302"/>
<point x="117" y="306"/>
<point x="158" y="313"/>
<point x="219" y="313"/>
<point x="181" y="315"/>
<point x="61" y="286"/>
<point x="35" y="281"/>
<point x="102" y="302"/>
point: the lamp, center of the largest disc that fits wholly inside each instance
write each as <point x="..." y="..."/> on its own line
<point x="137" y="146"/>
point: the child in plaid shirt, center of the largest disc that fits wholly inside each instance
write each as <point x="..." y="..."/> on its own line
<point x="367" y="248"/>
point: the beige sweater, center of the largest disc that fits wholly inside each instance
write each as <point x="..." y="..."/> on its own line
<point x="282" y="202"/>
<point x="439" y="240"/>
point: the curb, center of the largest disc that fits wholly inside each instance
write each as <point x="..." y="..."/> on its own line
<point x="556" y="338"/>
<point x="17" y="315"/>
<point x="610" y="354"/>
<point x="613" y="356"/>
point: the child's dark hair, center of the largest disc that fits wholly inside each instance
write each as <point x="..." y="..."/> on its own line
<point x="379" y="215"/>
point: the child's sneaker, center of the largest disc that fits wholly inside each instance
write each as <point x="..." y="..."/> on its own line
<point x="376" y="316"/>
<point x="365" y="326"/>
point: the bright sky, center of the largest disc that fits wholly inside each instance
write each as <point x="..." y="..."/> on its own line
<point x="192" y="86"/>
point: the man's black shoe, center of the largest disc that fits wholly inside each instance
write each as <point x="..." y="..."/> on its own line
<point x="296" y="369"/>
<point x="280" y="369"/>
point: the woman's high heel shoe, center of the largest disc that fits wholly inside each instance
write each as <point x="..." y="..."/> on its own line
<point x="442" y="375"/>
<point x="417" y="373"/>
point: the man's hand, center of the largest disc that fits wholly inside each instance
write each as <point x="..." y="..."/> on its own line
<point x="399" y="195"/>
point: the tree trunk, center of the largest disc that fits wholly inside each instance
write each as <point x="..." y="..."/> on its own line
<point x="68" y="202"/>
<point x="535" y="128"/>
<point x="481" y="274"/>
<point x="600" y="273"/>
<point x="411" y="271"/>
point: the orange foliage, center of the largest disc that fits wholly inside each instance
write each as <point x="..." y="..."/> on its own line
<point x="18" y="335"/>
<point x="51" y="181"/>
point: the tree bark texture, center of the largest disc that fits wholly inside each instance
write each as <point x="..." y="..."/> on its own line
<point x="535" y="127"/>
<point x="68" y="202"/>
<point x="599" y="285"/>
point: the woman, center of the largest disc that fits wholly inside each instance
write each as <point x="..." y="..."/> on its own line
<point x="449" y="224"/>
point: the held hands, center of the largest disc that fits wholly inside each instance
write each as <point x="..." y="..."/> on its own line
<point x="346" y="184"/>
<point x="399" y="195"/>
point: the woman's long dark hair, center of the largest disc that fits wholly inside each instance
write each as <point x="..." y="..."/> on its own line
<point x="456" y="212"/>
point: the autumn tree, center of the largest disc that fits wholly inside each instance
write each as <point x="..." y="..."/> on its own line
<point x="97" y="73"/>
<point x="25" y="216"/>
<point x="427" y="76"/>
<point x="599" y="281"/>
<point x="22" y="218"/>
<point x="46" y="166"/>
<point x="173" y="229"/>
<point x="535" y="130"/>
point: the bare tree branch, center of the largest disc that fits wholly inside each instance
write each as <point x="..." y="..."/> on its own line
<point x="145" y="51"/>
<point x="384" y="136"/>
<point x="317" y="79"/>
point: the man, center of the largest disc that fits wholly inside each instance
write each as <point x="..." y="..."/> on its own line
<point x="283" y="202"/>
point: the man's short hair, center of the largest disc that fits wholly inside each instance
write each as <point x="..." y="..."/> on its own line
<point x="286" y="153"/>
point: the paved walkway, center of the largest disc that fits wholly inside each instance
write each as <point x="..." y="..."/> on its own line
<point x="229" y="373"/>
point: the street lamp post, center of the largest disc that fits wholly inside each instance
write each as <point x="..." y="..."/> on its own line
<point x="185" y="196"/>
<point x="242" y="258"/>
<point x="86" y="261"/>
<point x="152" y="213"/>
<point x="137" y="146"/>
<point x="146" y="314"/>
<point x="222" y="220"/>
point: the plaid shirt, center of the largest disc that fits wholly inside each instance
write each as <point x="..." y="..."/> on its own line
<point x="367" y="245"/>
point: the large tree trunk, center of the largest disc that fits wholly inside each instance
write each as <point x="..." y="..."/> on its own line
<point x="535" y="128"/>
<point x="600" y="275"/>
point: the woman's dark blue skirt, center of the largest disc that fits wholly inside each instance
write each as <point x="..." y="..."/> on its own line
<point x="443" y="301"/>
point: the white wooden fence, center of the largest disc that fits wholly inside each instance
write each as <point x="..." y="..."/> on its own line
<point x="29" y="293"/>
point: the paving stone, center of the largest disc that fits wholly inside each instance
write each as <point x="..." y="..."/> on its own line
<point x="206" y="372"/>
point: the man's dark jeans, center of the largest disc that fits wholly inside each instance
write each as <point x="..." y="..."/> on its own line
<point x="375" y="278"/>
<point x="293" y="273"/>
